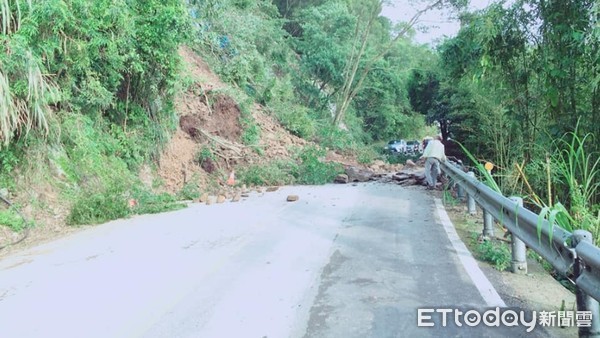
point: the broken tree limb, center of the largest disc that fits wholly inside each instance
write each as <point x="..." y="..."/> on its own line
<point x="222" y="142"/>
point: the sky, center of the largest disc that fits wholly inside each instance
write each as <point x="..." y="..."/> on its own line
<point x="438" y="22"/>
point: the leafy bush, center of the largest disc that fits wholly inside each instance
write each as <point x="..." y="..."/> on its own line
<point x="330" y="136"/>
<point x="103" y="206"/>
<point x="138" y="137"/>
<point x="366" y="154"/>
<point x="103" y="182"/>
<point x="496" y="253"/>
<point x="98" y="207"/>
<point x="149" y="203"/>
<point x="250" y="129"/>
<point x="12" y="219"/>
<point x="10" y="157"/>
<point x="100" y="54"/>
<point x="274" y="173"/>
<point x="189" y="191"/>
<point x="204" y="155"/>
<point x="313" y="170"/>
<point x="296" y="120"/>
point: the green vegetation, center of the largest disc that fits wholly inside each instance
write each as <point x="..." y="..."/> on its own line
<point x="205" y="154"/>
<point x="88" y="88"/>
<point x="401" y="158"/>
<point x="98" y="176"/>
<point x="519" y="87"/>
<point x="90" y="85"/>
<point x="302" y="62"/>
<point x="12" y="219"/>
<point x="495" y="252"/>
<point x="251" y="130"/>
<point x="312" y="169"/>
<point x="491" y="250"/>
<point x="190" y="191"/>
<point x="149" y="203"/>
<point x="308" y="167"/>
<point x="277" y="172"/>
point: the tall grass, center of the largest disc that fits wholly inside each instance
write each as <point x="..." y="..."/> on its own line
<point x="23" y="106"/>
<point x="576" y="171"/>
<point x="487" y="176"/>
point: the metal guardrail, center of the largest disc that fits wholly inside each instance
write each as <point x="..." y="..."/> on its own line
<point x="571" y="254"/>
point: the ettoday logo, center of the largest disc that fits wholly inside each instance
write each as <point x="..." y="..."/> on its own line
<point x="493" y="317"/>
<point x="497" y="317"/>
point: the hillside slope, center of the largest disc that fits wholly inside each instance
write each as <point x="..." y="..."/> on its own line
<point x="211" y="124"/>
<point x="210" y="118"/>
<point x="220" y="133"/>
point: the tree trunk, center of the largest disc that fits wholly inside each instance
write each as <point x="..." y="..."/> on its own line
<point x="350" y="88"/>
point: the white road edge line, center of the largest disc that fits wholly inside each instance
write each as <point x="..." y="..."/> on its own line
<point x="486" y="289"/>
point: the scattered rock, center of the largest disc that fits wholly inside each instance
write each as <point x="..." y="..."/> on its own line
<point x="410" y="163"/>
<point x="341" y="178"/>
<point x="292" y="198"/>
<point x="358" y="175"/>
<point x="236" y="197"/>
<point x="379" y="166"/>
<point x="245" y="195"/>
<point x="210" y="200"/>
<point x="384" y="178"/>
<point x="271" y="189"/>
<point x="203" y="198"/>
<point x="400" y="177"/>
<point x="221" y="199"/>
<point x="409" y="182"/>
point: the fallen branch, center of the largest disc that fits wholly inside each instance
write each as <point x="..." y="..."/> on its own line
<point x="222" y="142"/>
<point x="210" y="112"/>
<point x="227" y="158"/>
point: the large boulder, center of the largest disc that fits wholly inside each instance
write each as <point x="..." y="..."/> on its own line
<point x="358" y="175"/>
<point x="341" y="178"/>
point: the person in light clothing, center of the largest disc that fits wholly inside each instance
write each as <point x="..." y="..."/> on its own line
<point x="434" y="153"/>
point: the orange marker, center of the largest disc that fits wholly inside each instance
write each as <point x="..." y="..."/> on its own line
<point x="231" y="179"/>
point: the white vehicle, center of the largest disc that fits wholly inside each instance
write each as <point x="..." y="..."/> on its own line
<point x="396" y="146"/>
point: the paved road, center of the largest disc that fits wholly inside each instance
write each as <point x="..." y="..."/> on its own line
<point x="343" y="261"/>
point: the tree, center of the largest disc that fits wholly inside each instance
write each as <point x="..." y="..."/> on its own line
<point x="357" y="66"/>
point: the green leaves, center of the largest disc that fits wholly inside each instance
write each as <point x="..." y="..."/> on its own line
<point x="312" y="169"/>
<point x="496" y="253"/>
<point x="98" y="53"/>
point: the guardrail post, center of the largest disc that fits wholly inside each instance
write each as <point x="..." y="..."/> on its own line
<point x="460" y="192"/>
<point x="584" y="301"/>
<point x="518" y="248"/>
<point x="488" y="224"/>
<point x="470" y="200"/>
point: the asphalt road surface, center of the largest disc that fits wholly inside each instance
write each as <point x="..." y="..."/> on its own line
<point x="343" y="261"/>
